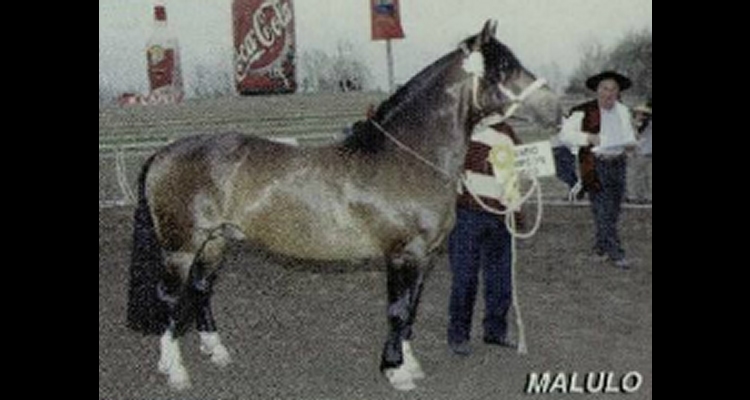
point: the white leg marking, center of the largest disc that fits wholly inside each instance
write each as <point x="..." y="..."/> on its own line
<point x="170" y="363"/>
<point x="411" y="363"/>
<point x="211" y="345"/>
<point x="402" y="378"/>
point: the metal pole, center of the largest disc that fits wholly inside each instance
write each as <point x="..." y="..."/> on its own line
<point x="391" y="79"/>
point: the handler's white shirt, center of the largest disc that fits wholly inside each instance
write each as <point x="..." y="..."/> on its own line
<point x="615" y="135"/>
<point x="616" y="131"/>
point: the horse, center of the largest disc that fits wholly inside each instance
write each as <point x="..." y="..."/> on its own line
<point x="387" y="191"/>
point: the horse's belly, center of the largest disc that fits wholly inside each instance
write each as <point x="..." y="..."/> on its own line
<point x="324" y="235"/>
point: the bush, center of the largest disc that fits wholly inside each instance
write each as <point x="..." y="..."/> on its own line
<point x="632" y="56"/>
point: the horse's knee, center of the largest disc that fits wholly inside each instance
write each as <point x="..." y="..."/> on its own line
<point x="178" y="264"/>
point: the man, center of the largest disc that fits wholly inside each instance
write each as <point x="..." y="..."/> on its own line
<point x="481" y="241"/>
<point x="639" y="179"/>
<point x="603" y="130"/>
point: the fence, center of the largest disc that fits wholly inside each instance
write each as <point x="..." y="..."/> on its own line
<point x="128" y="135"/>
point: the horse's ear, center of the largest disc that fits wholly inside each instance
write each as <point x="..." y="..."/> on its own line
<point x="489" y="31"/>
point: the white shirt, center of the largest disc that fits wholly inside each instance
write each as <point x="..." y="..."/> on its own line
<point x="615" y="135"/>
<point x="616" y="131"/>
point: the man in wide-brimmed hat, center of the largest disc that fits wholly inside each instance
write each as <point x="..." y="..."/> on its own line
<point x="641" y="162"/>
<point x="602" y="130"/>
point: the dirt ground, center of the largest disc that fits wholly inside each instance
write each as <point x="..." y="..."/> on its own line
<point x="317" y="334"/>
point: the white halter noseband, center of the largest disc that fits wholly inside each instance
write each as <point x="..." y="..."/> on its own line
<point x="474" y="65"/>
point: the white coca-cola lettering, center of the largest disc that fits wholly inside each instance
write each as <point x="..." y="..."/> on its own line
<point x="264" y="34"/>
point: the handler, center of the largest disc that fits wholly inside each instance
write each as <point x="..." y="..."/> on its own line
<point x="481" y="241"/>
<point x="603" y="130"/>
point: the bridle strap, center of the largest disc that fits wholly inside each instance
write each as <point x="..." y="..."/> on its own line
<point x="494" y="118"/>
<point x="516" y="100"/>
<point x="409" y="150"/>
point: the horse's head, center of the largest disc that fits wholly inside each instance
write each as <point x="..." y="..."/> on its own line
<point x="502" y="84"/>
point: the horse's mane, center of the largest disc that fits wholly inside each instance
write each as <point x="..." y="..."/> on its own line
<point x="368" y="139"/>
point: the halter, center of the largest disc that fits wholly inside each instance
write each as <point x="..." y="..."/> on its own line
<point x="515" y="100"/>
<point x="474" y="65"/>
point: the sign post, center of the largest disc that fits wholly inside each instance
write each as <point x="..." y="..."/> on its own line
<point x="386" y="25"/>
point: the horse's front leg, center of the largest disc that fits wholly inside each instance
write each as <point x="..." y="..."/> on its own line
<point x="405" y="278"/>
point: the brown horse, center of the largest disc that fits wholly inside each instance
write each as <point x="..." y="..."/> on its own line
<point x="389" y="191"/>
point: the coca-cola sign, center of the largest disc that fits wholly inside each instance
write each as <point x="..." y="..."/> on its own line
<point x="264" y="45"/>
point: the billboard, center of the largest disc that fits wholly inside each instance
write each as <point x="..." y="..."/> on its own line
<point x="386" y="20"/>
<point x="264" y="46"/>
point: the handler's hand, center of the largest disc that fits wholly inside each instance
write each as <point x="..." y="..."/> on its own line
<point x="594" y="140"/>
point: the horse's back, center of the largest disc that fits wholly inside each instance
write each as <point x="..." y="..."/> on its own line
<point x="190" y="182"/>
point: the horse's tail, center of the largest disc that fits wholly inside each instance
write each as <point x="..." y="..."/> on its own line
<point x="147" y="313"/>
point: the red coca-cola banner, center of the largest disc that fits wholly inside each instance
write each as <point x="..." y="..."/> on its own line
<point x="386" y="19"/>
<point x="264" y="45"/>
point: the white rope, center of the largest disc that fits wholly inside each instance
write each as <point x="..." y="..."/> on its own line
<point x="520" y="326"/>
<point x="510" y="223"/>
<point x="516" y="100"/>
<point x="411" y="151"/>
<point x="122" y="179"/>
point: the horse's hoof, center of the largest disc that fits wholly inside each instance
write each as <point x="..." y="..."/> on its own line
<point x="417" y="373"/>
<point x="164" y="365"/>
<point x="211" y="345"/>
<point x="401" y="379"/>
<point x="220" y="356"/>
<point x="179" y="379"/>
<point x="411" y="364"/>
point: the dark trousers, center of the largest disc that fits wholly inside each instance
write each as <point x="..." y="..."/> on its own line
<point x="565" y="164"/>
<point x="606" y="205"/>
<point x="479" y="241"/>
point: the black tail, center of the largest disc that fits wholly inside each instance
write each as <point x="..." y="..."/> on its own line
<point x="147" y="313"/>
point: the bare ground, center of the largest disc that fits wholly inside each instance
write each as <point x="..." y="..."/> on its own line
<point x="314" y="335"/>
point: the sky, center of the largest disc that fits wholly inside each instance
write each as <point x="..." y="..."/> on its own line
<point x="542" y="33"/>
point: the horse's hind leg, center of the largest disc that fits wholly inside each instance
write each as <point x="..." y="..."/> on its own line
<point x="186" y="289"/>
<point x="171" y="291"/>
<point x="202" y="280"/>
<point x="202" y="285"/>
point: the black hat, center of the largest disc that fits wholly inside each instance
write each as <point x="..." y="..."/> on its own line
<point x="622" y="81"/>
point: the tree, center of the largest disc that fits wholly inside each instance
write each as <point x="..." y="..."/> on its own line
<point x="631" y="56"/>
<point x="345" y="71"/>
<point x="554" y="75"/>
<point x="211" y="82"/>
<point x="593" y="61"/>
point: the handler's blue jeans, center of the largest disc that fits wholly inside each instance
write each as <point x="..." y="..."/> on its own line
<point x="607" y="205"/>
<point x="479" y="241"/>
<point x="565" y="165"/>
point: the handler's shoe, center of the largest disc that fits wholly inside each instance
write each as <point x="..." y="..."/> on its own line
<point x="462" y="349"/>
<point x="502" y="342"/>
<point x="623" y="263"/>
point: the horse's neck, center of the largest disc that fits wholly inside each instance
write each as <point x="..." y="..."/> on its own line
<point x="437" y="132"/>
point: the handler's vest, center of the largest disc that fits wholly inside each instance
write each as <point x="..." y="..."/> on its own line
<point x="492" y="184"/>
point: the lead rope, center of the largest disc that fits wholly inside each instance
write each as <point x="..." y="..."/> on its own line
<point x="122" y="177"/>
<point x="516" y="101"/>
<point x="510" y="223"/>
<point x="411" y="151"/>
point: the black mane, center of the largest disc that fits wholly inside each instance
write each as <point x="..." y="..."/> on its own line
<point x="366" y="137"/>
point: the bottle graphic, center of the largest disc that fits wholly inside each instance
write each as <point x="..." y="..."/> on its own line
<point x="163" y="57"/>
<point x="264" y="46"/>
